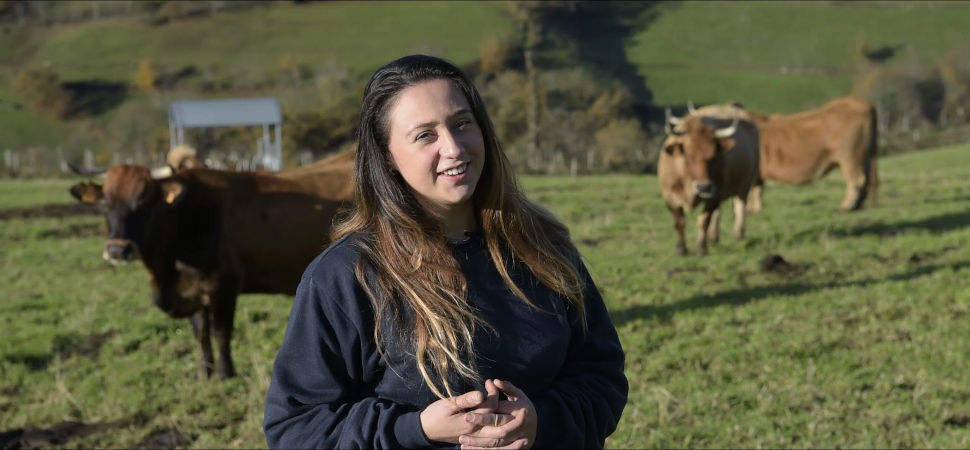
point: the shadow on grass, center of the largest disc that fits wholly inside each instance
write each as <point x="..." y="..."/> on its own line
<point x="936" y="224"/>
<point x="61" y="433"/>
<point x="743" y="296"/>
<point x="599" y="33"/>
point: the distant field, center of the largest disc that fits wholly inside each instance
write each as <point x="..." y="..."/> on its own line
<point x="781" y="56"/>
<point x="861" y="342"/>
<point x="357" y="35"/>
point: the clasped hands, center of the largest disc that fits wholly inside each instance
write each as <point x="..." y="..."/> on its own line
<point x="475" y="420"/>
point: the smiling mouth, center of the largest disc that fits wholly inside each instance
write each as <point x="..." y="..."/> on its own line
<point x="455" y="170"/>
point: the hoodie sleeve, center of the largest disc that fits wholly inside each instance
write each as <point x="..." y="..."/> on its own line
<point x="321" y="393"/>
<point x="584" y="404"/>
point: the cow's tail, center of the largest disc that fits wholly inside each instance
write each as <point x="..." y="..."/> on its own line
<point x="872" y="154"/>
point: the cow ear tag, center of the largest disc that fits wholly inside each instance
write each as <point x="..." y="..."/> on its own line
<point x="173" y="190"/>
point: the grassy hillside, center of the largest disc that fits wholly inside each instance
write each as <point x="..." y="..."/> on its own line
<point x="780" y="56"/>
<point x="240" y="47"/>
<point x="859" y="342"/>
<point x="359" y="35"/>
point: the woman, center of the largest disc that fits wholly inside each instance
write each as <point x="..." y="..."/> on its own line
<point x="450" y="309"/>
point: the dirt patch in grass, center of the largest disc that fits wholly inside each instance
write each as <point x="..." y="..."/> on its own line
<point x="165" y="438"/>
<point x="55" y="436"/>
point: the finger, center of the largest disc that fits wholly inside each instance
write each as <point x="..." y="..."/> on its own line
<point x="489" y="420"/>
<point x="493" y="393"/>
<point x="467" y="441"/>
<point x="510" y="390"/>
<point x="512" y="407"/>
<point x="506" y="427"/>
<point x="517" y="443"/>
<point x="491" y="398"/>
<point x="470" y="399"/>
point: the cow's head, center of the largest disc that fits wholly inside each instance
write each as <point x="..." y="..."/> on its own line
<point x="130" y="197"/>
<point x="702" y="145"/>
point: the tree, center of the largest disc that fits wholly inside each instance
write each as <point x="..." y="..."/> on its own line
<point x="41" y="90"/>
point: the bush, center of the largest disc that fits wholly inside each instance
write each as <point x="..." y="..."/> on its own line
<point x="291" y="71"/>
<point x="146" y="75"/>
<point x="497" y="54"/>
<point x="623" y="146"/>
<point x="954" y="72"/>
<point x="42" y="92"/>
<point x="585" y="125"/>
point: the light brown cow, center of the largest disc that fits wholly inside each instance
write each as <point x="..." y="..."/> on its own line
<point x="705" y="161"/>
<point x="802" y="147"/>
<point x="207" y="236"/>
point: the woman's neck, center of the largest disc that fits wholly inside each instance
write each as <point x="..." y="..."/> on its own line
<point x="456" y="220"/>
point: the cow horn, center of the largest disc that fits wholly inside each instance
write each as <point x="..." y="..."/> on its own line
<point x="161" y="172"/>
<point x="86" y="172"/>
<point x="670" y="122"/>
<point x="690" y="108"/>
<point x="729" y="131"/>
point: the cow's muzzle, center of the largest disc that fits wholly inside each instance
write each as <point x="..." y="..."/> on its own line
<point x="120" y="251"/>
<point x="705" y="189"/>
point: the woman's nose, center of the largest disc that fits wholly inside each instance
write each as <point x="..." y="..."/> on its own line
<point x="451" y="146"/>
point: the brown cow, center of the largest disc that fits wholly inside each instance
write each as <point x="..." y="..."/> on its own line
<point x="705" y="161"/>
<point x="802" y="147"/>
<point x="207" y="236"/>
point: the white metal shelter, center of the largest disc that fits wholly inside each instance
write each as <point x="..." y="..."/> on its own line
<point x="264" y="112"/>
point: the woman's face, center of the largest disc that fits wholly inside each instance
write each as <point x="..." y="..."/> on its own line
<point x="436" y="145"/>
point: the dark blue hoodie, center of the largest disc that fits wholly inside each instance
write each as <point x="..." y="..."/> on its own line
<point x="332" y="389"/>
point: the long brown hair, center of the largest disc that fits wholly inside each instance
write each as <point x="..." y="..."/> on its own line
<point x="406" y="267"/>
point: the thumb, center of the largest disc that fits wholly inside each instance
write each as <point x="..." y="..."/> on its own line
<point x="469" y="399"/>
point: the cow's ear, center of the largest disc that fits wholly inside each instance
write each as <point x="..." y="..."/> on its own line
<point x="172" y="191"/>
<point x="673" y="149"/>
<point x="726" y="144"/>
<point x="87" y="193"/>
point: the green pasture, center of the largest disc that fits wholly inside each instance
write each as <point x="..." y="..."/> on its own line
<point x="779" y="56"/>
<point x="860" y="342"/>
<point x="357" y="35"/>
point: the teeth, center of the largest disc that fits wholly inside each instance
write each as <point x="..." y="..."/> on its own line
<point x="457" y="170"/>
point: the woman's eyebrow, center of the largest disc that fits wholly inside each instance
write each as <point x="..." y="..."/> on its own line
<point x="430" y="123"/>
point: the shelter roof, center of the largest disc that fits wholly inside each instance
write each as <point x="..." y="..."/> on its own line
<point x="228" y="112"/>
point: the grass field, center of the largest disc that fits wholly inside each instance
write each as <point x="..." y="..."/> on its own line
<point x="780" y="56"/>
<point x="860" y="343"/>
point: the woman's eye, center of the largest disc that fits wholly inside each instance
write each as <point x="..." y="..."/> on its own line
<point x="423" y="135"/>
<point x="463" y="123"/>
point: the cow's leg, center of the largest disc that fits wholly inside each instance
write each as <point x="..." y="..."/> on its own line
<point x="200" y="327"/>
<point x="715" y="226"/>
<point x="680" y="223"/>
<point x="855" y="186"/>
<point x="739" y="218"/>
<point x="754" y="197"/>
<point x="223" y="312"/>
<point x="703" y="222"/>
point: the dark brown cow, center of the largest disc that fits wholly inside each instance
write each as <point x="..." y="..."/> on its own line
<point x="705" y="161"/>
<point x="207" y="236"/>
<point x="801" y="148"/>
